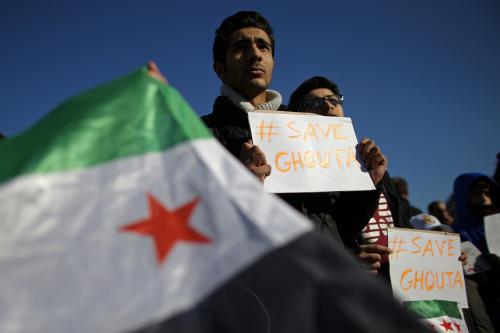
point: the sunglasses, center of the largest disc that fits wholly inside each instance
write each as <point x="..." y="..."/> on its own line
<point x="319" y="102"/>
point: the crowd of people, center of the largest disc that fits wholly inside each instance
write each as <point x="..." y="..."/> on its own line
<point x="357" y="221"/>
<point x="243" y="55"/>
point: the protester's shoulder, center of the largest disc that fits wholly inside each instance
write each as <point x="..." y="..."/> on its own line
<point x="211" y="119"/>
<point x="389" y="188"/>
<point x="208" y="120"/>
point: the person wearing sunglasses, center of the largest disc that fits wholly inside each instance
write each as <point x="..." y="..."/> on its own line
<point x="350" y="211"/>
<point x="321" y="96"/>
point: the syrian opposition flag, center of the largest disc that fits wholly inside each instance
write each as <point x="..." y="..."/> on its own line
<point x="440" y="316"/>
<point x="119" y="212"/>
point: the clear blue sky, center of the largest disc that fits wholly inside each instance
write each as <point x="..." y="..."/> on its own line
<point x="421" y="78"/>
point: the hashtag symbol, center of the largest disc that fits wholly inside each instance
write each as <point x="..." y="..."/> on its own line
<point x="396" y="246"/>
<point x="262" y="133"/>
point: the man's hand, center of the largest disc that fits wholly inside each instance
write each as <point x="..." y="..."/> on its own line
<point x="255" y="160"/>
<point x="154" y="71"/>
<point x="463" y="258"/>
<point x="374" y="160"/>
<point x="371" y="255"/>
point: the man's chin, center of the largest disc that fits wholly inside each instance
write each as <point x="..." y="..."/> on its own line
<point x="256" y="86"/>
<point x="258" y="83"/>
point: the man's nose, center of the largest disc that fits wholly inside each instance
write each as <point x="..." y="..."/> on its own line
<point x="486" y="199"/>
<point x="255" y="52"/>
<point x="328" y="105"/>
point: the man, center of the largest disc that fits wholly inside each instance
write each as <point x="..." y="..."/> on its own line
<point x="402" y="188"/>
<point x="439" y="210"/>
<point x="243" y="54"/>
<point x="321" y="96"/>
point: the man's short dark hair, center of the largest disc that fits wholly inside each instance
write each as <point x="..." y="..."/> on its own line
<point x="240" y="20"/>
<point x="308" y="85"/>
<point x="433" y="206"/>
<point x="401" y="185"/>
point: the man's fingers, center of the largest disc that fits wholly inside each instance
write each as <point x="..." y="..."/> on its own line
<point x="259" y="156"/>
<point x="261" y="171"/>
<point x="246" y="153"/>
<point x="463" y="258"/>
<point x="370" y="257"/>
<point x="371" y="154"/>
<point x="152" y="67"/>
<point x="372" y="260"/>
<point x="155" y="72"/>
<point x="366" y="147"/>
<point x="365" y="140"/>
<point x="372" y="157"/>
<point x="246" y="146"/>
<point x="375" y="248"/>
<point x="376" y="158"/>
<point x="252" y="155"/>
<point x="255" y="160"/>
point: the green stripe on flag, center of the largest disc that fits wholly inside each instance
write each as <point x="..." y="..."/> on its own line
<point x="434" y="308"/>
<point x="132" y="115"/>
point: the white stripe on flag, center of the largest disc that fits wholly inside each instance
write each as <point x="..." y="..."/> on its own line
<point x="62" y="254"/>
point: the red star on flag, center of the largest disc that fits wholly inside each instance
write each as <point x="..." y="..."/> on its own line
<point x="457" y="326"/>
<point x="167" y="227"/>
<point x="446" y="325"/>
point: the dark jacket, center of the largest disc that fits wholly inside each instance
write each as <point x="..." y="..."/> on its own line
<point x="400" y="213"/>
<point x="339" y="215"/>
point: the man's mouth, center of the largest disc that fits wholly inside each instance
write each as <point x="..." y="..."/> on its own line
<point x="255" y="70"/>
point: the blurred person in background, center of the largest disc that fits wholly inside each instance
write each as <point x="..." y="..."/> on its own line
<point x="438" y="209"/>
<point x="402" y="188"/>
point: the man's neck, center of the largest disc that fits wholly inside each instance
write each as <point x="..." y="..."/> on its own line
<point x="268" y="99"/>
<point x="257" y="99"/>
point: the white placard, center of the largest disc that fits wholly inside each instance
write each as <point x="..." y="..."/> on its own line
<point x="492" y="230"/>
<point x="424" y="265"/>
<point x="474" y="263"/>
<point x="309" y="153"/>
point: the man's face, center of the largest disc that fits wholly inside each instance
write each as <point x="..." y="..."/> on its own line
<point x="441" y="212"/>
<point x="480" y="194"/>
<point x="249" y="62"/>
<point x="324" y="102"/>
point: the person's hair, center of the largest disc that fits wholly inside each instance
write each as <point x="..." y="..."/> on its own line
<point x="240" y="20"/>
<point x="2" y="136"/>
<point x="401" y="185"/>
<point x="308" y="85"/>
<point x="433" y="206"/>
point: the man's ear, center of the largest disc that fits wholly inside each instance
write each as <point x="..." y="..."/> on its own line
<point x="219" y="70"/>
